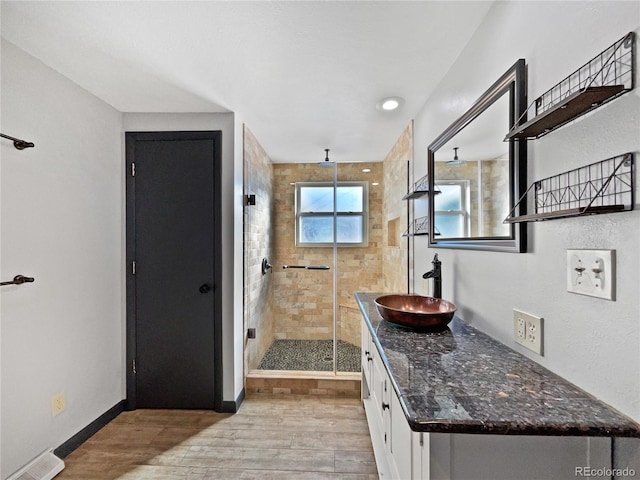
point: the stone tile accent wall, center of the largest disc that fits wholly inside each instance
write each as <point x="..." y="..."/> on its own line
<point x="258" y="244"/>
<point x="303" y="299"/>
<point x="496" y="207"/>
<point x="395" y="248"/>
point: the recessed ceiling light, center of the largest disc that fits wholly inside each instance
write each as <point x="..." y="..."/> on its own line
<point x="389" y="104"/>
<point x="366" y="170"/>
<point x="375" y="183"/>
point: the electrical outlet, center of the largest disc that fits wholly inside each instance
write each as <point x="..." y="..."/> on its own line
<point x="58" y="404"/>
<point x="528" y="331"/>
<point x="519" y="329"/>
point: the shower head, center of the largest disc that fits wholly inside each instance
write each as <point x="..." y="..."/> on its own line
<point x="326" y="162"/>
<point x="456" y="161"/>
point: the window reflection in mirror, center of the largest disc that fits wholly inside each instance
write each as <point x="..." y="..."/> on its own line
<point x="452" y="209"/>
<point x="478" y="180"/>
<point x="475" y="176"/>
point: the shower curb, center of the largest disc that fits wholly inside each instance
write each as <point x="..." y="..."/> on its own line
<point x="303" y="383"/>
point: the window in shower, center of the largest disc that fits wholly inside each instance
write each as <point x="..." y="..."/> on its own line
<point x="314" y="214"/>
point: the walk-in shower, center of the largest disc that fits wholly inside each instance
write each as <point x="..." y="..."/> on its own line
<point x="319" y="228"/>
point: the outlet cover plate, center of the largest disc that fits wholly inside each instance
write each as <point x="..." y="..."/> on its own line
<point x="58" y="404"/>
<point x="528" y="331"/>
<point x="592" y="273"/>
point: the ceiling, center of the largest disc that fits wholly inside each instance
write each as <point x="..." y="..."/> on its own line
<point x="303" y="75"/>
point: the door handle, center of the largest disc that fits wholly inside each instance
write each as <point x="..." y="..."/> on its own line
<point x="205" y="288"/>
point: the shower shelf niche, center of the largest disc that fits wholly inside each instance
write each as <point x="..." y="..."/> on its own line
<point x="605" y="77"/>
<point x="602" y="187"/>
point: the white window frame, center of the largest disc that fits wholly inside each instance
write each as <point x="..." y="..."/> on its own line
<point x="364" y="214"/>
<point x="464" y="202"/>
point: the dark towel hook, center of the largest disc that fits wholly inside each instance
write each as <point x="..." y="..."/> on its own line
<point x="18" y="280"/>
<point x="19" y="144"/>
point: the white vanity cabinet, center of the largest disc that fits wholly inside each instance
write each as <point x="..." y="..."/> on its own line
<point x="388" y="427"/>
<point x="552" y="434"/>
<point x="403" y="454"/>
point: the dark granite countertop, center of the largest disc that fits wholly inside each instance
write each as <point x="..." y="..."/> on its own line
<point x="460" y="380"/>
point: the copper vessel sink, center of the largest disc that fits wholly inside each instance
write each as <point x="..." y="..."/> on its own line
<point x="415" y="311"/>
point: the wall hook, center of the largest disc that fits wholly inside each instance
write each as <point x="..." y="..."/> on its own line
<point x="19" y="144"/>
<point x="18" y="280"/>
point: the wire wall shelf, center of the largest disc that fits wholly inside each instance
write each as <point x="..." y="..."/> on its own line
<point x="605" y="77"/>
<point x="602" y="187"/>
<point x="419" y="189"/>
<point x="420" y="226"/>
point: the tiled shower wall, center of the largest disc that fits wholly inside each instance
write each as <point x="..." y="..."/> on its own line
<point x="258" y="244"/>
<point x="303" y="305"/>
<point x="396" y="264"/>
<point x="495" y="207"/>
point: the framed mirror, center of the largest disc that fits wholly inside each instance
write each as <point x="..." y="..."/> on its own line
<point x="475" y="177"/>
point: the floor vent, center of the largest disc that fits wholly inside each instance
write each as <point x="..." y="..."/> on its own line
<point x="45" y="467"/>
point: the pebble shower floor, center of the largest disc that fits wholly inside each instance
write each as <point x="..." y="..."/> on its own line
<point x="310" y="355"/>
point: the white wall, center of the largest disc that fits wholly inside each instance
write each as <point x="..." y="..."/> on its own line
<point x="62" y="224"/>
<point x="591" y="342"/>
<point x="235" y="382"/>
<point x="1" y="271"/>
<point x="231" y="225"/>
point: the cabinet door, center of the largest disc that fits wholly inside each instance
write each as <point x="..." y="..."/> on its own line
<point x="378" y="384"/>
<point x="385" y="407"/>
<point x="400" y="439"/>
<point x="366" y="359"/>
<point x="373" y="407"/>
<point x="420" y="456"/>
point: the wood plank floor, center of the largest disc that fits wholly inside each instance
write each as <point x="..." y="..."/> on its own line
<point x="289" y="437"/>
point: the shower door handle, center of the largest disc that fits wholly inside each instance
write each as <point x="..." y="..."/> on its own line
<point x="307" y="267"/>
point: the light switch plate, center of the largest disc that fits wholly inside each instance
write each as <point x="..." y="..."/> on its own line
<point x="591" y="272"/>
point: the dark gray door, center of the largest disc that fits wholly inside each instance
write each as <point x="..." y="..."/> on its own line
<point x="173" y="252"/>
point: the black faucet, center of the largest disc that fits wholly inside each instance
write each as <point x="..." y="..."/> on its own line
<point x="436" y="274"/>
